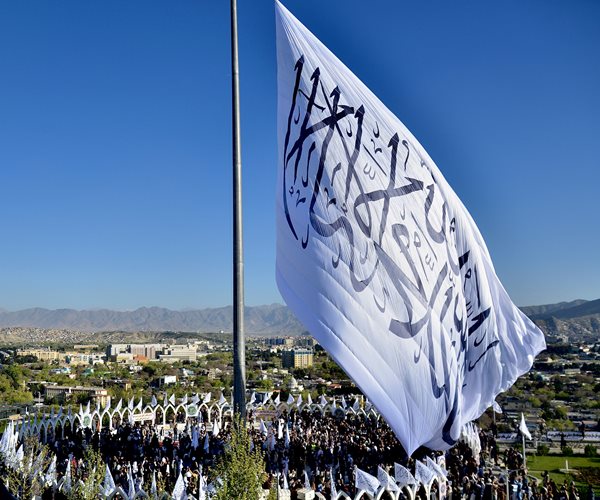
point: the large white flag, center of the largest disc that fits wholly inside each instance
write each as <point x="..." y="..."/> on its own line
<point x="378" y="257"/>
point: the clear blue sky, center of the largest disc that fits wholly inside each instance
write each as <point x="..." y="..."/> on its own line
<point x="115" y="139"/>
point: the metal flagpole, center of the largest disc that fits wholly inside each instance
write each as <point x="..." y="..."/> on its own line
<point x="239" y="348"/>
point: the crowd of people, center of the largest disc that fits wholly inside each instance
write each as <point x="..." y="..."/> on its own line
<point x="299" y="447"/>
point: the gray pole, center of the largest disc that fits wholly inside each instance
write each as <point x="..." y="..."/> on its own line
<point x="239" y="347"/>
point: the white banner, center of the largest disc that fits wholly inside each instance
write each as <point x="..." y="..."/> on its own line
<point x="378" y="257"/>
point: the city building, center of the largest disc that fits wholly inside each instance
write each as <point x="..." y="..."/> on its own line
<point x="62" y="393"/>
<point x="41" y="354"/>
<point x="179" y="352"/>
<point x="297" y="358"/>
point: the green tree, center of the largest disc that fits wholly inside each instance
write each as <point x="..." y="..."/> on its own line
<point x="91" y="481"/>
<point x="240" y="470"/>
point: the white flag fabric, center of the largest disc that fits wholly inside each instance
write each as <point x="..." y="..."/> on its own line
<point x="153" y="402"/>
<point x="287" y="436"/>
<point x="299" y="402"/>
<point x="172" y="399"/>
<point x="385" y="480"/>
<point x="365" y="481"/>
<point x="423" y="474"/>
<point x="523" y="427"/>
<point x="207" y="398"/>
<point x="108" y="486"/>
<point x="403" y="476"/>
<point x="497" y="407"/>
<point x="222" y="400"/>
<point x="306" y="480"/>
<point x="263" y="427"/>
<point x="309" y="400"/>
<point x="333" y="489"/>
<point x="322" y="400"/>
<point x="66" y="485"/>
<point x="253" y="398"/>
<point x="356" y="405"/>
<point x="290" y="400"/>
<point x="378" y="257"/>
<point x="179" y="492"/>
<point x="277" y="400"/>
<point x="153" y="488"/>
<point x="436" y="469"/>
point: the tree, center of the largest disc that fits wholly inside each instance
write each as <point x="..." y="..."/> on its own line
<point x="240" y="470"/>
<point x="26" y="479"/>
<point x="91" y="481"/>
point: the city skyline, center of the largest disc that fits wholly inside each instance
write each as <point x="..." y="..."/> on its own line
<point x="116" y="157"/>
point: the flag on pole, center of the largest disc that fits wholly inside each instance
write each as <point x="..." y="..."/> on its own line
<point x="322" y="400"/>
<point x="497" y="407"/>
<point x="172" y="399"/>
<point x="299" y="402"/>
<point x="385" y="480"/>
<point x="332" y="488"/>
<point x="523" y="427"/>
<point x="290" y="400"/>
<point x="207" y="397"/>
<point x="153" y="487"/>
<point x="108" y="486"/>
<point x="222" y="400"/>
<point x="153" y="402"/>
<point x="378" y="257"/>
<point x="287" y="436"/>
<point x="309" y="400"/>
<point x="366" y="482"/>
<point x="403" y="476"/>
<point x="306" y="480"/>
<point x="179" y="492"/>
<point x="277" y="400"/>
<point x="423" y="474"/>
<point x="436" y="469"/>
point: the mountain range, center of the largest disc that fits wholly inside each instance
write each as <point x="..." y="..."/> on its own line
<point x="578" y="320"/>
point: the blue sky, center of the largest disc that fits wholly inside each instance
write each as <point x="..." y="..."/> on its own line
<point x="115" y="139"/>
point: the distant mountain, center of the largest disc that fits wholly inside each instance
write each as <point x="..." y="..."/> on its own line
<point x="274" y="319"/>
<point x="548" y="309"/>
<point x="579" y="320"/>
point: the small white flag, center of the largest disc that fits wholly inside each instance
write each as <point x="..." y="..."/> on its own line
<point x="277" y="400"/>
<point x="309" y="400"/>
<point x="222" y="400"/>
<point x="366" y="482"/>
<point x="287" y="436"/>
<point x="108" y="486"/>
<point x="172" y="399"/>
<point x="179" y="492"/>
<point x="333" y="489"/>
<point x="290" y="400"/>
<point x="322" y="400"/>
<point x="184" y="401"/>
<point x="263" y="427"/>
<point x="153" y="488"/>
<point x="403" y="476"/>
<point x="523" y="427"/>
<point x="253" y="398"/>
<point x="356" y="405"/>
<point x="206" y="443"/>
<point x="207" y="398"/>
<point x="299" y="402"/>
<point x="216" y="428"/>
<point x="153" y="402"/>
<point x="436" y="469"/>
<point x="385" y="480"/>
<point x="497" y="407"/>
<point x="306" y="480"/>
<point x="423" y="474"/>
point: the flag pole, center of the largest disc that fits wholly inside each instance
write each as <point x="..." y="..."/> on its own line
<point x="239" y="349"/>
